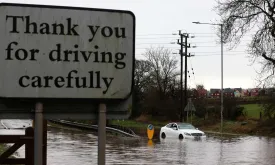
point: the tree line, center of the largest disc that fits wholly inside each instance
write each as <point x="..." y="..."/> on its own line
<point x="157" y="86"/>
<point x="157" y="91"/>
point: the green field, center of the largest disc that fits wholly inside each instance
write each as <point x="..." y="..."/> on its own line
<point x="2" y="148"/>
<point x="252" y="110"/>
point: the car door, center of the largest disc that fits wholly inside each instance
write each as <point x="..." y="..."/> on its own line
<point x="170" y="130"/>
<point x="175" y="131"/>
<point x="166" y="129"/>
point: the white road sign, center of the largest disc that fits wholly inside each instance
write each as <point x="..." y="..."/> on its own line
<point x="190" y="106"/>
<point x="65" y="52"/>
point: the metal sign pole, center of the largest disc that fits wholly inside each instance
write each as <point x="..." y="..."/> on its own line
<point x="187" y="115"/>
<point x="191" y="115"/>
<point x="38" y="134"/>
<point x="45" y="142"/>
<point x="188" y="109"/>
<point x="101" y="134"/>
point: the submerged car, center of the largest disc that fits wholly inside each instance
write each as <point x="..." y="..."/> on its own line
<point x="181" y="131"/>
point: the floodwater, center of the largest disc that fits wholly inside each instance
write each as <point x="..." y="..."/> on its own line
<point x="80" y="148"/>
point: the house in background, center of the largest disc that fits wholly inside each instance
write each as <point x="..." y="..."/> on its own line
<point x="202" y="93"/>
<point x="245" y="93"/>
<point x="215" y="93"/>
<point x="208" y="94"/>
<point x="235" y="92"/>
<point x="254" y="92"/>
<point x="238" y="92"/>
<point x="198" y="93"/>
<point x="228" y="92"/>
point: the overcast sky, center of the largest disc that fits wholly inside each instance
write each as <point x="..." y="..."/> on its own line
<point x="157" y="20"/>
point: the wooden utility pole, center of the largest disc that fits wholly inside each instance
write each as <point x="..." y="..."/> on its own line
<point x="186" y="46"/>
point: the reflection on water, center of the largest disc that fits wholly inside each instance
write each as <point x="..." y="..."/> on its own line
<point x="80" y="148"/>
<point x="71" y="147"/>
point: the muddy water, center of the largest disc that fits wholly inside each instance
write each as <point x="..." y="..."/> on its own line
<point x="71" y="148"/>
<point x="80" y="148"/>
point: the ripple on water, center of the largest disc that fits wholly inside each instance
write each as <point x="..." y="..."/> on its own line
<point x="80" y="148"/>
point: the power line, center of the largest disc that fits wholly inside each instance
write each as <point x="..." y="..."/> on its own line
<point x="170" y="41"/>
<point x="156" y="38"/>
<point x="191" y="73"/>
<point x="207" y="46"/>
<point x="195" y="46"/>
<point x="154" y="34"/>
<point x="210" y="55"/>
<point x="158" y="34"/>
<point x="206" y="42"/>
<point x="165" y="43"/>
<point x="171" y="37"/>
<point x="224" y="51"/>
<point x="196" y="52"/>
<point x="163" y="47"/>
<point x="192" y="70"/>
<point x="223" y="54"/>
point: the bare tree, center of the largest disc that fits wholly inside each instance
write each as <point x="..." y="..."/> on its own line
<point x="240" y="17"/>
<point x="200" y="87"/>
<point x="163" y="68"/>
<point x="155" y="80"/>
<point x="142" y="74"/>
<point x="269" y="107"/>
<point x="141" y="85"/>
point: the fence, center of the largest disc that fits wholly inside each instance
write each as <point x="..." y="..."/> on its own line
<point x="19" y="141"/>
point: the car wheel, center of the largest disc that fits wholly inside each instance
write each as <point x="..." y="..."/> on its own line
<point x="163" y="136"/>
<point x="180" y="136"/>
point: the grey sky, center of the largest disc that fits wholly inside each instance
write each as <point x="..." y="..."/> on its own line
<point x="156" y="20"/>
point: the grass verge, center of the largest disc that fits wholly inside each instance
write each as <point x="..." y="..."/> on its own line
<point x="234" y="127"/>
<point x="247" y="127"/>
<point x="2" y="148"/>
<point x="252" y="110"/>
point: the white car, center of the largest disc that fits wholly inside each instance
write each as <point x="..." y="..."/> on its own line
<point x="181" y="131"/>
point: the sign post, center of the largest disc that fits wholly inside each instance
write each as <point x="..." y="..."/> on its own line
<point x="45" y="141"/>
<point x="189" y="107"/>
<point x="70" y="59"/>
<point x="38" y="134"/>
<point x="101" y="134"/>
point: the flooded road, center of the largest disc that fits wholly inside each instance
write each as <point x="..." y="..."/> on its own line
<point x="80" y="148"/>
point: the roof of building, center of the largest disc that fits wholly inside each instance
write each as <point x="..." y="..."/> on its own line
<point x="214" y="90"/>
<point x="227" y="90"/>
<point x="238" y="89"/>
